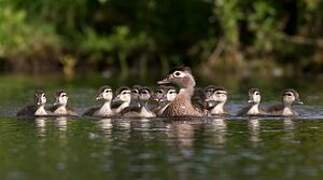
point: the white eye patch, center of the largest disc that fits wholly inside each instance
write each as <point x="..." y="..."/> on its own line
<point x="178" y="74"/>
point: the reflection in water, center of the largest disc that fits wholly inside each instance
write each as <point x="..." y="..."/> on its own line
<point x="61" y="123"/>
<point x="181" y="132"/>
<point x="41" y="126"/>
<point x="289" y="127"/>
<point x="220" y="128"/>
<point x="254" y="128"/>
<point x="106" y="126"/>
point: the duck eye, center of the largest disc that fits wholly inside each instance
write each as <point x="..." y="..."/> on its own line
<point x="177" y="73"/>
<point x="257" y="93"/>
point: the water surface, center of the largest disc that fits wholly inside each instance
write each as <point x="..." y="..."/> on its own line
<point x="205" y="148"/>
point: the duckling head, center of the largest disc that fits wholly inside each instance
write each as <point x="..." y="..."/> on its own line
<point x="159" y="94"/>
<point x="254" y="96"/>
<point x="124" y="95"/>
<point x="145" y="94"/>
<point x="61" y="98"/>
<point x="40" y="98"/>
<point x="171" y="94"/>
<point x="215" y="94"/>
<point x="180" y="76"/>
<point x="135" y="92"/>
<point x="291" y="96"/>
<point x="105" y="93"/>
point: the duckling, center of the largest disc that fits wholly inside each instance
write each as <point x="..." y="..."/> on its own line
<point x="182" y="104"/>
<point x="60" y="107"/>
<point x="162" y="97"/>
<point x="104" y="94"/>
<point x="289" y="98"/>
<point x="122" y="100"/>
<point x="143" y="110"/>
<point x="36" y="109"/>
<point x="215" y="98"/>
<point x="253" y="107"/>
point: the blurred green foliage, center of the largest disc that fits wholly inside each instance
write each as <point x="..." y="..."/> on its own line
<point x="148" y="34"/>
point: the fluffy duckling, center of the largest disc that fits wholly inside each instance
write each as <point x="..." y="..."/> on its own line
<point x="36" y="109"/>
<point x="122" y="100"/>
<point x="253" y="107"/>
<point x="162" y="97"/>
<point x="289" y="98"/>
<point x="215" y="98"/>
<point x="182" y="104"/>
<point x="60" y="107"/>
<point x="143" y="110"/>
<point x="105" y="95"/>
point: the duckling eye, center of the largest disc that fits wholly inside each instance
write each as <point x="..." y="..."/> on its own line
<point x="257" y="93"/>
<point x="160" y="92"/>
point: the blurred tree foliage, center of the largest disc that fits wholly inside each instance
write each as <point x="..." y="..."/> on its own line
<point x="46" y="35"/>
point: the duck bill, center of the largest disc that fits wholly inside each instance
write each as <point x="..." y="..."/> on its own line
<point x="99" y="97"/>
<point x="164" y="81"/>
<point x="299" y="102"/>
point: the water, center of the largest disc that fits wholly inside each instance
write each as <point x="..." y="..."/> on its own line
<point x="206" y="148"/>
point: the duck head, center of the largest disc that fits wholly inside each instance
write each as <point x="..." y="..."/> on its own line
<point x="181" y="76"/>
<point x="171" y="94"/>
<point x="61" y="98"/>
<point x="291" y="96"/>
<point x="124" y="95"/>
<point x="40" y="98"/>
<point x="215" y="95"/>
<point x="254" y="96"/>
<point x="105" y="93"/>
<point x="144" y="94"/>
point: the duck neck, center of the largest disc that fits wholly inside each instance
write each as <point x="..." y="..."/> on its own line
<point x="187" y="92"/>
<point x="106" y="106"/>
<point x="41" y="110"/>
<point x="254" y="109"/>
<point x="218" y="108"/>
<point x="123" y="106"/>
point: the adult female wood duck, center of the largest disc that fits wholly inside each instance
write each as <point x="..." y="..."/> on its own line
<point x="182" y="104"/>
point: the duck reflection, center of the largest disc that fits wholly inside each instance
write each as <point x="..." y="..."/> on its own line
<point x="41" y="126"/>
<point x="106" y="126"/>
<point x="289" y="128"/>
<point x="181" y="133"/>
<point x="61" y="123"/>
<point x="254" y="129"/>
<point x="219" y="126"/>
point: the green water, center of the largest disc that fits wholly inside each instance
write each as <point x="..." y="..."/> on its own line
<point x="206" y="148"/>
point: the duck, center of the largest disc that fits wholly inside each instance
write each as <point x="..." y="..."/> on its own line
<point x="289" y="98"/>
<point x="215" y="100"/>
<point x="122" y="100"/>
<point x="161" y="98"/>
<point x="105" y="94"/>
<point x="37" y="108"/>
<point x="60" y="106"/>
<point x="143" y="111"/>
<point x="253" y="109"/>
<point x="182" y="104"/>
